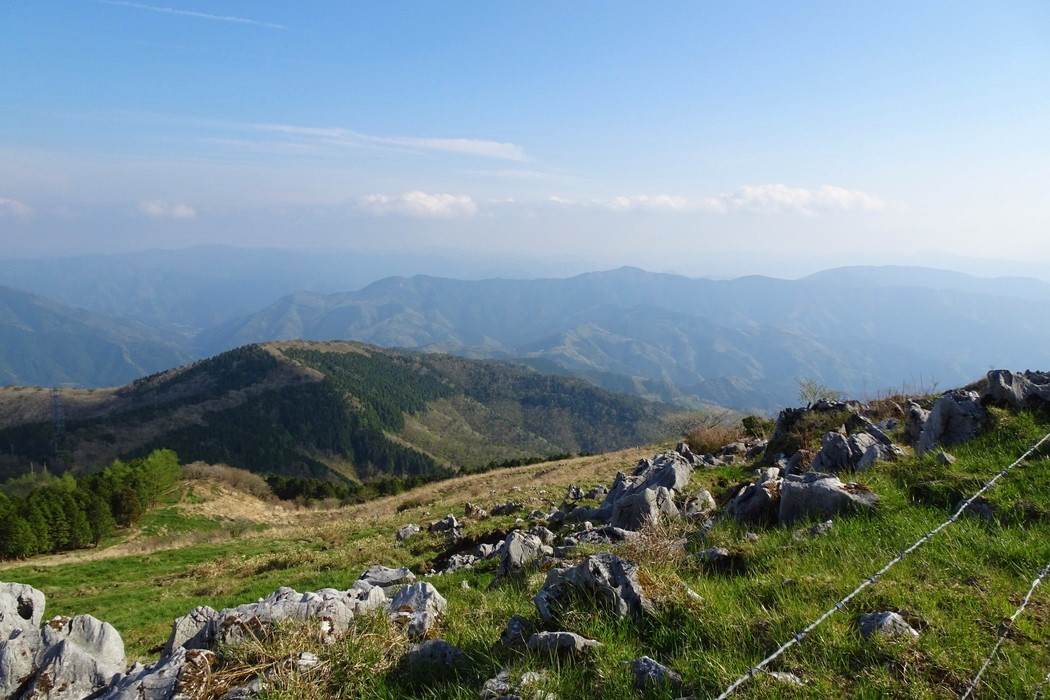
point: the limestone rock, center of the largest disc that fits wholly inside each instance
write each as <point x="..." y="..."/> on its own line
<point x="183" y="674"/>
<point x="82" y="655"/>
<point x="516" y="632"/>
<point x="503" y="686"/>
<point x="649" y="673"/>
<point x="700" y="505"/>
<point x="19" y="657"/>
<point x="474" y="511"/>
<point x="914" y="421"/>
<point x="385" y="577"/>
<point x="194" y="630"/>
<point x="755" y="504"/>
<point x="507" y="508"/>
<point x="813" y="532"/>
<point x="636" y="508"/>
<point x="1017" y="390"/>
<point x="21" y="608"/>
<point x="611" y="580"/>
<point x="562" y="644"/>
<point x="448" y="524"/>
<point x="820" y="495"/>
<point x="418" y="607"/>
<point x="406" y="531"/>
<point x="886" y="624"/>
<point x="839" y="452"/>
<point x="956" y="418"/>
<point x="434" y="652"/>
<point x="519" y="549"/>
<point x="331" y="609"/>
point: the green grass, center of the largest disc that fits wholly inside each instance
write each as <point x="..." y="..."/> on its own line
<point x="956" y="589"/>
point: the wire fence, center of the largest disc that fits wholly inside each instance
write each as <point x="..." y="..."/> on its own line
<point x="798" y="637"/>
<point x="1041" y="687"/>
<point x="1003" y="629"/>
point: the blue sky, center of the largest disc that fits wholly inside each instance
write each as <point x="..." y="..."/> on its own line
<point x="697" y="136"/>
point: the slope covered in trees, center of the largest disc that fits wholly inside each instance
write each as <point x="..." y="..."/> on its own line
<point x="345" y="412"/>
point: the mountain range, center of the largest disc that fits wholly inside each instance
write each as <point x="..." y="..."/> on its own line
<point x="742" y="343"/>
<point x="342" y="411"/>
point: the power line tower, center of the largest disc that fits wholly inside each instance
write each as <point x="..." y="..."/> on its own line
<point x="58" y="418"/>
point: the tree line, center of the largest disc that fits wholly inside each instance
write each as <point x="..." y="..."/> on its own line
<point x="71" y="513"/>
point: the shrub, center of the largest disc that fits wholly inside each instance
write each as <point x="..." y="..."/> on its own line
<point x="810" y="391"/>
<point x="757" y="427"/>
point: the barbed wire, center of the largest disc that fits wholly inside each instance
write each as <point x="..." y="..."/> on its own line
<point x="798" y="637"/>
<point x="1039" y="688"/>
<point x="1003" y="629"/>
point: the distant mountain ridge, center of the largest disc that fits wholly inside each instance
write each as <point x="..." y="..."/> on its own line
<point x="739" y="342"/>
<point x="742" y="342"/>
<point x="344" y="411"/>
<point x="43" y="342"/>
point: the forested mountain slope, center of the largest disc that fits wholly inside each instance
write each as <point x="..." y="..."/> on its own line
<point x="326" y="410"/>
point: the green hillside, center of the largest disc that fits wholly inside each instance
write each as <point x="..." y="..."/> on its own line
<point x="342" y="411"/>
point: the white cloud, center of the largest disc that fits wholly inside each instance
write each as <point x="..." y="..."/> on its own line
<point x="768" y="199"/>
<point x="781" y="199"/>
<point x="12" y="207"/>
<point x="348" y="138"/>
<point x="421" y="205"/>
<point x="624" y="203"/>
<point x="164" y="210"/>
<point x="190" y="13"/>
<point x="660" y="202"/>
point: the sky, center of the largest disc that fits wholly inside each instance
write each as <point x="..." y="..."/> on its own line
<point x="700" y="137"/>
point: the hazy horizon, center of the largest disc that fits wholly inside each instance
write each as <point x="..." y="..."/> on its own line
<point x="754" y="138"/>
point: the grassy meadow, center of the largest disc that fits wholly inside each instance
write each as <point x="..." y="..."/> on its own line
<point x="198" y="548"/>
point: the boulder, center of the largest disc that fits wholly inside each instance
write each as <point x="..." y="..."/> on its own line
<point x="459" y="562"/>
<point x="517" y="631"/>
<point x="1017" y="390"/>
<point x="448" y="524"/>
<point x="406" y="531"/>
<point x="820" y="495"/>
<point x="474" y="511"/>
<point x="562" y="644"/>
<point x="813" y="532"/>
<point x="502" y="686"/>
<point x="858" y="451"/>
<point x="433" y="652"/>
<point x="597" y="493"/>
<point x="21" y="608"/>
<point x="385" y="577"/>
<point x="417" y="607"/>
<point x="596" y="535"/>
<point x="507" y="508"/>
<point x="194" y="630"/>
<point x="81" y="656"/>
<point x="331" y="609"/>
<point x="519" y="549"/>
<point x="574" y="493"/>
<point x="19" y="657"/>
<point x="636" y="508"/>
<point x="956" y="418"/>
<point x="611" y="580"/>
<point x="183" y="674"/>
<point x="649" y="674"/>
<point x="699" y="505"/>
<point x="756" y="504"/>
<point x="914" y="420"/>
<point x="886" y="624"/>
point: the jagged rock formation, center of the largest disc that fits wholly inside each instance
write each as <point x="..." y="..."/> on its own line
<point x="611" y="580"/>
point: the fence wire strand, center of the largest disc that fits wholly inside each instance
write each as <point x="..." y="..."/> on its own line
<point x="1039" y="688"/>
<point x="1003" y="630"/>
<point x="797" y="638"/>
